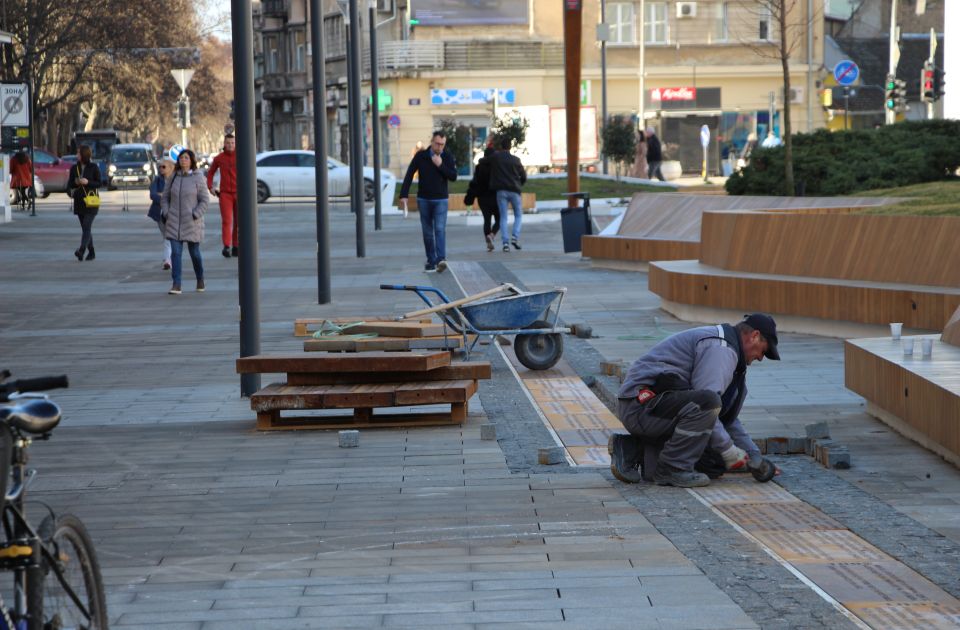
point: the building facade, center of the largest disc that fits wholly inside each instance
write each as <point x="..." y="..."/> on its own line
<point x="705" y="62"/>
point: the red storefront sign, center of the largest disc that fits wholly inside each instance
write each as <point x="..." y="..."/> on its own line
<point x="674" y="94"/>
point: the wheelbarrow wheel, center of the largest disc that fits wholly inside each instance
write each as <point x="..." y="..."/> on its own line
<point x="539" y="351"/>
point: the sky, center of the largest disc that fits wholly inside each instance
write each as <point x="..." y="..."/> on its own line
<point x="213" y="12"/>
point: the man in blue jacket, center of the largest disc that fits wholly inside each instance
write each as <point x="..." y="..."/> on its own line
<point x="436" y="167"/>
<point x="686" y="393"/>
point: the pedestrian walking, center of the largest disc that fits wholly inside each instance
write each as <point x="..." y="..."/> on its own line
<point x="435" y="167"/>
<point x="479" y="191"/>
<point x="21" y="176"/>
<point x="157" y="186"/>
<point x="183" y="203"/>
<point x="639" y="168"/>
<point x="84" y="180"/>
<point x="507" y="177"/>
<point x="654" y="155"/>
<point x="686" y="394"/>
<point x="226" y="163"/>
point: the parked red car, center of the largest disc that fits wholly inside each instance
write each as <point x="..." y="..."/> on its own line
<point x="51" y="170"/>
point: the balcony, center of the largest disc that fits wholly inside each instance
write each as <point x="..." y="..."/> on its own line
<point x="274" y="8"/>
<point x="399" y="57"/>
<point x="284" y="85"/>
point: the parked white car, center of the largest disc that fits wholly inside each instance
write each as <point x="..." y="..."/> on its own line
<point x="291" y="174"/>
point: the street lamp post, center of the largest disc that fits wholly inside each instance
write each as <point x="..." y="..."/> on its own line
<point x="320" y="151"/>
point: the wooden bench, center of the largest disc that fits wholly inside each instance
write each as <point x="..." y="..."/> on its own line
<point x="867" y="269"/>
<point x="918" y="397"/>
<point x="362" y="382"/>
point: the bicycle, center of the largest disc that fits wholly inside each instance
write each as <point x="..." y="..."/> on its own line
<point x="25" y="199"/>
<point x="57" y="582"/>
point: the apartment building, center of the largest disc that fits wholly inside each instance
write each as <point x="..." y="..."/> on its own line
<point x="705" y="62"/>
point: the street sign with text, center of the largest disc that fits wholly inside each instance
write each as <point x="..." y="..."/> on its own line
<point x="14" y="105"/>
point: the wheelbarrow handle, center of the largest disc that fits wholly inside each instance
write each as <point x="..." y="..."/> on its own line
<point x="401" y="287"/>
<point x="461" y="301"/>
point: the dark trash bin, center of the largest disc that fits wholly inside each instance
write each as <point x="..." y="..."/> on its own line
<point x="575" y="223"/>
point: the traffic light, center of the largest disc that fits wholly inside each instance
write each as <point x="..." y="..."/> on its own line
<point x="890" y="92"/>
<point x="901" y="96"/>
<point x="938" y="83"/>
<point x="183" y="113"/>
<point x="176" y="114"/>
<point x="928" y="93"/>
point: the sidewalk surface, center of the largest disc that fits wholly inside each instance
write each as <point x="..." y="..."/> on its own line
<point x="202" y="522"/>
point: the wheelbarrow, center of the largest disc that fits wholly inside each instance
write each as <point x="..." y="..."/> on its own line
<point x="505" y="310"/>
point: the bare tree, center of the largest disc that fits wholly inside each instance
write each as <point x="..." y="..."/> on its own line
<point x="787" y="25"/>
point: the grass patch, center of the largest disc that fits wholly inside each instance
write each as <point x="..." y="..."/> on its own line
<point x="931" y="199"/>
<point x="553" y="188"/>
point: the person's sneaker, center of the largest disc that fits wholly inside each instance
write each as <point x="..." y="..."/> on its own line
<point x="515" y="243"/>
<point x="201" y="287"/>
<point x="506" y="247"/>
<point x="666" y="475"/>
<point x="235" y="252"/>
<point x="441" y="266"/>
<point x="428" y="267"/>
<point x="489" y="238"/>
<point x="226" y="252"/>
<point x="166" y="265"/>
<point x="175" y="290"/>
<point x="622" y="465"/>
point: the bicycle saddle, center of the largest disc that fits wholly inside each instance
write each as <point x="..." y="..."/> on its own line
<point x="35" y="415"/>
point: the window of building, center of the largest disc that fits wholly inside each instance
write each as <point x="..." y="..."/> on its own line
<point x="655" y="23"/>
<point x="334" y="36"/>
<point x="299" y="45"/>
<point x="620" y="18"/>
<point x="272" y="48"/>
<point x="721" y="31"/>
<point x="763" y="30"/>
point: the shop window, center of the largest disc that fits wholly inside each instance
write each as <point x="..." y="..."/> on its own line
<point x="620" y="18"/>
<point x="655" y="23"/>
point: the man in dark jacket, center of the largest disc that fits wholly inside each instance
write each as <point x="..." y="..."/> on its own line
<point x="686" y="393"/>
<point x="436" y="167"/>
<point x="479" y="190"/>
<point x="654" y="155"/>
<point x="507" y="176"/>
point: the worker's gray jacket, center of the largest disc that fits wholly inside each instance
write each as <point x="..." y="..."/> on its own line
<point x="702" y="358"/>
<point x="182" y="205"/>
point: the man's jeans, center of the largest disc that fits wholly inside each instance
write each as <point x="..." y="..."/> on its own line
<point x="505" y="197"/>
<point x="433" y="223"/>
<point x="176" y="253"/>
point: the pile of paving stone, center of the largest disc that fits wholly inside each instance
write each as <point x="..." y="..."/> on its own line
<point x="816" y="443"/>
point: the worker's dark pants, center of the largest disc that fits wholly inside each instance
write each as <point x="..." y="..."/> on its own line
<point x="685" y="419"/>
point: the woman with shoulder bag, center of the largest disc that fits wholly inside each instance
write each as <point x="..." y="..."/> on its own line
<point x="82" y="187"/>
<point x="182" y="205"/>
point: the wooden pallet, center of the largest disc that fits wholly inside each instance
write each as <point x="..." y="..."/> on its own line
<point x="386" y="344"/>
<point x="363" y="399"/>
<point x="458" y="370"/>
<point x="306" y="326"/>
<point x="332" y="362"/>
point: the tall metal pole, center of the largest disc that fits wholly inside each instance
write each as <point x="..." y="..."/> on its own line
<point x="891" y="114"/>
<point x="572" y="31"/>
<point x="249" y="280"/>
<point x="320" y="150"/>
<point x="356" y="127"/>
<point x="642" y="36"/>
<point x="603" y="77"/>
<point x="809" y="66"/>
<point x="375" y="117"/>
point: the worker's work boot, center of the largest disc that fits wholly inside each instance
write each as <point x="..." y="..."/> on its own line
<point x="625" y="455"/>
<point x="666" y="475"/>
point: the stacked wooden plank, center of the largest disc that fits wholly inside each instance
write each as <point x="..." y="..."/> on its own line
<point x="415" y="334"/>
<point x="362" y="382"/>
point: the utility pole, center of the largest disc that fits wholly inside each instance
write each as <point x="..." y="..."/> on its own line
<point x="891" y="114"/>
<point x="320" y="151"/>
<point x="375" y="117"/>
<point x="642" y="35"/>
<point x="603" y="34"/>
<point x="356" y="124"/>
<point x="572" y="30"/>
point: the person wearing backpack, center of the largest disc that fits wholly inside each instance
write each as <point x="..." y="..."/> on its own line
<point x="83" y="182"/>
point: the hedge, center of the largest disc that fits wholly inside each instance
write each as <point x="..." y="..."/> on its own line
<point x="844" y="162"/>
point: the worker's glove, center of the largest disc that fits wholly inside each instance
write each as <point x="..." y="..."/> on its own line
<point x="734" y="458"/>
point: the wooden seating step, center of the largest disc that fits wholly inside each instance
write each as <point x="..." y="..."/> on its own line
<point x="458" y="370"/>
<point x="363" y="399"/>
<point x="306" y="326"/>
<point x="332" y="362"/>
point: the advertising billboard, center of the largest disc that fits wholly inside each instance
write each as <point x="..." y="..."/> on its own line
<point x="468" y="12"/>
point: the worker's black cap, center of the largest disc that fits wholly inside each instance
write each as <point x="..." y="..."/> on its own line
<point x="768" y="328"/>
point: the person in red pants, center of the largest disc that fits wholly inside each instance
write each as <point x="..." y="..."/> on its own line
<point x="226" y="163"/>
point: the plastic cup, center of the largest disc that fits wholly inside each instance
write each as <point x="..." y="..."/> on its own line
<point x="908" y="344"/>
<point x="895" y="329"/>
<point x="926" y="347"/>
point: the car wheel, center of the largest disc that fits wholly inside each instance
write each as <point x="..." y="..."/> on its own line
<point x="368" y="190"/>
<point x="263" y="193"/>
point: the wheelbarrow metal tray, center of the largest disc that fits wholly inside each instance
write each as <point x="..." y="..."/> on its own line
<point x="513" y="312"/>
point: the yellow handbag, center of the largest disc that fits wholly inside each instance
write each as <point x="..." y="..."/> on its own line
<point x="90" y="199"/>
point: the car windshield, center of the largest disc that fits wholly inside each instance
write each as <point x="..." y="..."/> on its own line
<point x="129" y="155"/>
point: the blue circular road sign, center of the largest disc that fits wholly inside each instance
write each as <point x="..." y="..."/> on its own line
<point x="846" y="72"/>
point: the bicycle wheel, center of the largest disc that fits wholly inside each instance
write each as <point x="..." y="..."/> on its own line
<point x="71" y="566"/>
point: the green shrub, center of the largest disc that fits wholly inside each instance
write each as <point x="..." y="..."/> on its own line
<point x="845" y="162"/>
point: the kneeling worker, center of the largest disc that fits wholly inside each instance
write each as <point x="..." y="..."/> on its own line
<point x="686" y="393"/>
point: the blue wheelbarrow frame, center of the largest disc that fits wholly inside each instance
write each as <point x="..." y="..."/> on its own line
<point x="517" y="313"/>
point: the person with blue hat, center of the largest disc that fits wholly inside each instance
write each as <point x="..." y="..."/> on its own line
<point x="684" y="396"/>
